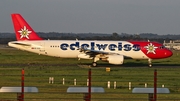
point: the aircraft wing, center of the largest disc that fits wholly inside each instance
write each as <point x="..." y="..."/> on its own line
<point x="111" y="57"/>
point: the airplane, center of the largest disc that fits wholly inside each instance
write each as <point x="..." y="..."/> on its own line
<point x="113" y="52"/>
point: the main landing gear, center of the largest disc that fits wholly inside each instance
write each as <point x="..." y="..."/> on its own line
<point x="94" y="64"/>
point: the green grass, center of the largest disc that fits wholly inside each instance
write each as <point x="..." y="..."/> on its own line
<point x="39" y="68"/>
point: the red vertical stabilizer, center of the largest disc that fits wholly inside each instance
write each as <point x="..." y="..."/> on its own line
<point x="22" y="29"/>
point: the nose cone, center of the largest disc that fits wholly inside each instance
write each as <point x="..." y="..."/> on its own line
<point x="168" y="53"/>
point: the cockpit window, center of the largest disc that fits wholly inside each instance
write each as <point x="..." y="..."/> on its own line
<point x="162" y="47"/>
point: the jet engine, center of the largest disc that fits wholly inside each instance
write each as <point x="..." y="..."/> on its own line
<point x="116" y="59"/>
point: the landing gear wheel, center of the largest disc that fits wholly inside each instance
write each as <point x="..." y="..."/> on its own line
<point x="94" y="64"/>
<point x="150" y="62"/>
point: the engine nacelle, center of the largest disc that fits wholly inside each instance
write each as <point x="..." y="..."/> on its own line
<point x="116" y="59"/>
<point x="84" y="56"/>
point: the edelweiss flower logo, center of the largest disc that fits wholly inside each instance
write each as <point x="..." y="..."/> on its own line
<point x="24" y="33"/>
<point x="151" y="48"/>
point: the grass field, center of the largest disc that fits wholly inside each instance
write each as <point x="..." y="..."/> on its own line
<point x="39" y="68"/>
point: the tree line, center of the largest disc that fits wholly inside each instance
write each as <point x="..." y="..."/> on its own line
<point x="6" y="37"/>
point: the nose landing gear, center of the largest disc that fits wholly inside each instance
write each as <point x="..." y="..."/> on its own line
<point x="150" y="62"/>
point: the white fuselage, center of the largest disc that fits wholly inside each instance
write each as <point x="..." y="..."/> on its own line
<point x="71" y="48"/>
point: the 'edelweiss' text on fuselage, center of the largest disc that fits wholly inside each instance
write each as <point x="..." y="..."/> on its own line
<point x="93" y="45"/>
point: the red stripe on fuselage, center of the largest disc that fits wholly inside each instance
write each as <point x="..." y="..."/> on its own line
<point x="153" y="50"/>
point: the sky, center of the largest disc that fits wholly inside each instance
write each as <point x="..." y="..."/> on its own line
<point x="95" y="16"/>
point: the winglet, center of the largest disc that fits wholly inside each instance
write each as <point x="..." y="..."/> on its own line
<point x="22" y="29"/>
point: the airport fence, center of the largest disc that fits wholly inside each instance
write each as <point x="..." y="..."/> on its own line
<point x="118" y="83"/>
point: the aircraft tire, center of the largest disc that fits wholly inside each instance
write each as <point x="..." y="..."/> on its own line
<point x="94" y="64"/>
